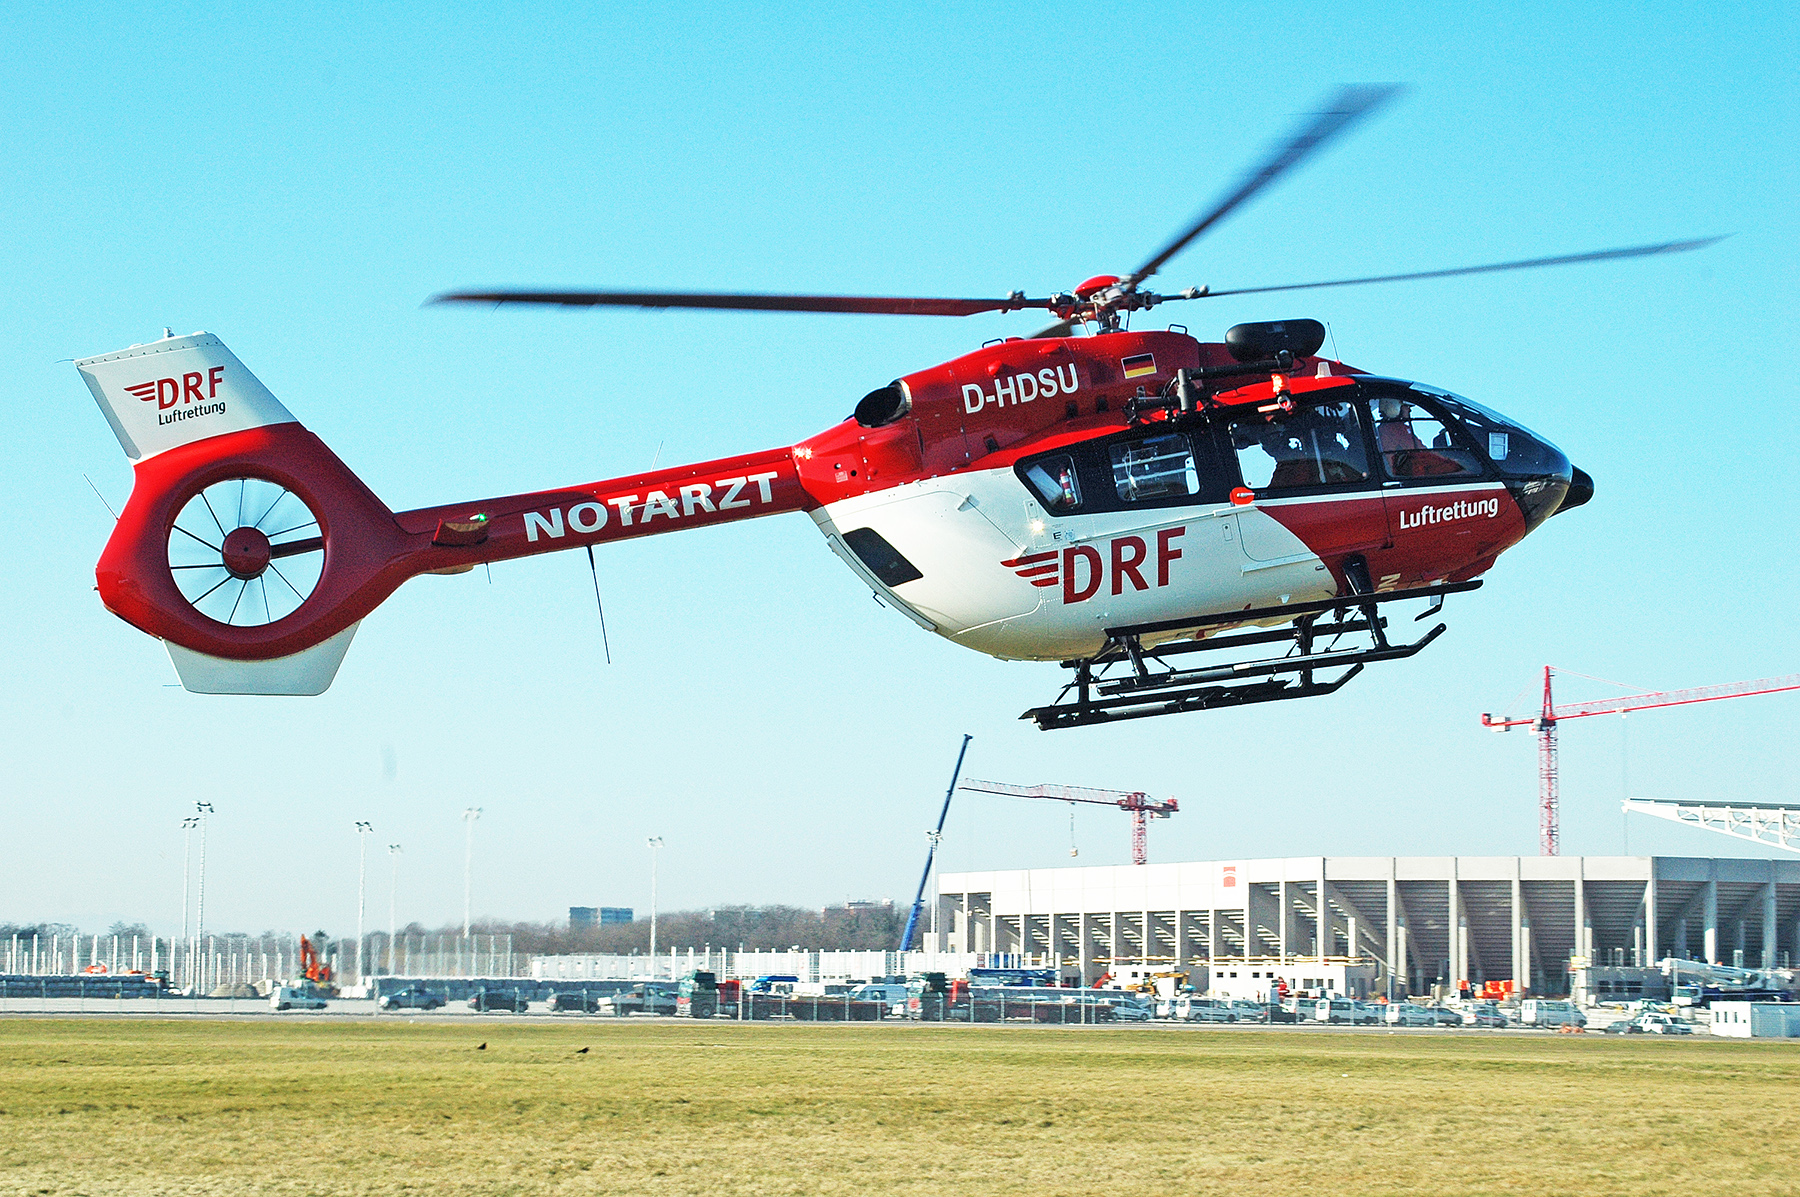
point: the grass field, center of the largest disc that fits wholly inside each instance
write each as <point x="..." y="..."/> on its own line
<point x="203" y="1107"/>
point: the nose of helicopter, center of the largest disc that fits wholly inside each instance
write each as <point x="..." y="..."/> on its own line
<point x="1581" y="489"/>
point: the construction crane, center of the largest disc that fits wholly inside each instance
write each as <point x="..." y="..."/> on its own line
<point x="1549" y="715"/>
<point x="932" y="840"/>
<point x="1140" y="804"/>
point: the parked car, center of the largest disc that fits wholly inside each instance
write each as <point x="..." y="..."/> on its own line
<point x="1662" y="1024"/>
<point x="577" y="1001"/>
<point x="893" y="994"/>
<point x="646" y="997"/>
<point x="1203" y="1010"/>
<point x="486" y="1000"/>
<point x="295" y="999"/>
<point x="1131" y="1008"/>
<point x="1243" y="1011"/>
<point x="1335" y="1010"/>
<point x="415" y="998"/>
<point x="1538" y="1012"/>
<point x="1445" y="1016"/>
<point x="1410" y="1014"/>
<point x="1483" y="1016"/>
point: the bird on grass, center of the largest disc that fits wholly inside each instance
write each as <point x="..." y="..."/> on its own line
<point x="581" y="1051"/>
<point x="481" y="1047"/>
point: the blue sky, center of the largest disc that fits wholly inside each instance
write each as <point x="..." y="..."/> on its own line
<point x="299" y="183"/>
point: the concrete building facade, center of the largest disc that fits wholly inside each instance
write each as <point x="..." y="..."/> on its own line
<point x="1422" y="920"/>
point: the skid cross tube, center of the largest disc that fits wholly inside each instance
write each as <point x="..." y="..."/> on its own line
<point x="1143" y="683"/>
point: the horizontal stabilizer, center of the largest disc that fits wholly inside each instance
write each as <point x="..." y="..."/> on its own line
<point x="304" y="673"/>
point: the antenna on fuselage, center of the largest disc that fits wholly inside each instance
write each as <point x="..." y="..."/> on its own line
<point x="595" y="571"/>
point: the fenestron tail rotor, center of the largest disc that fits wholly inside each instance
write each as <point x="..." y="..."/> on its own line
<point x="246" y="552"/>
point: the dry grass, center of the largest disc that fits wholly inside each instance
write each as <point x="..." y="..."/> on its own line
<point x="203" y="1107"/>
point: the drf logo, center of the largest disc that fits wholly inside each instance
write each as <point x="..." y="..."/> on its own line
<point x="167" y="392"/>
<point x="1082" y="570"/>
<point x="1227" y="876"/>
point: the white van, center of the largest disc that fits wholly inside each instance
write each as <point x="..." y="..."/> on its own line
<point x="1338" y="1010"/>
<point x="1536" y="1012"/>
<point x="295" y="999"/>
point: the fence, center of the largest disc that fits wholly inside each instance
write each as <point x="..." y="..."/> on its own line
<point x="227" y="961"/>
<point x="811" y="967"/>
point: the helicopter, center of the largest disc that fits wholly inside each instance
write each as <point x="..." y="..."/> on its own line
<point x="1115" y="500"/>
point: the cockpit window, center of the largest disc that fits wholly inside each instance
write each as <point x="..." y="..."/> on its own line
<point x="1054" y="482"/>
<point x="1155" y="467"/>
<point x="1315" y="446"/>
<point x="1415" y="444"/>
<point x="1516" y="451"/>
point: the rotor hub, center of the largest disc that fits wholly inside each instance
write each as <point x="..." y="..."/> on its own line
<point x="246" y="552"/>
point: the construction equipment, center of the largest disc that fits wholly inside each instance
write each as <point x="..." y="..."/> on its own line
<point x="1140" y="804"/>
<point x="312" y="967"/>
<point x="933" y="838"/>
<point x="1545" y="721"/>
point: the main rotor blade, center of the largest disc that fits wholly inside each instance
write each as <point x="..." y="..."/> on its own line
<point x="1344" y="109"/>
<point x="1604" y="255"/>
<point x="872" y="304"/>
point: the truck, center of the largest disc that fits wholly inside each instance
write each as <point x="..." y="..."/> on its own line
<point x="702" y="995"/>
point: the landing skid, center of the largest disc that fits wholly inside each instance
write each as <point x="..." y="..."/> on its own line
<point x="1125" y="680"/>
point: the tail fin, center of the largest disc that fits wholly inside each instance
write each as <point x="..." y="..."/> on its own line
<point x="176" y="391"/>
<point x="222" y="550"/>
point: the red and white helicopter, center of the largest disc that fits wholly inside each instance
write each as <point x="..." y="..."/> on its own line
<point x="1117" y="501"/>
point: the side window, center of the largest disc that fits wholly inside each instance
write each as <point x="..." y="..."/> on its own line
<point x="1156" y="467"/>
<point x="1052" y="479"/>
<point x="1415" y="444"/>
<point x="1314" y="446"/>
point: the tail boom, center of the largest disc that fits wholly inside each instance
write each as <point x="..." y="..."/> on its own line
<point x="253" y="552"/>
<point x="370" y="551"/>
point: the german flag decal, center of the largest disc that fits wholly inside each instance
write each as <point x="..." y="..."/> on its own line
<point x="1137" y="367"/>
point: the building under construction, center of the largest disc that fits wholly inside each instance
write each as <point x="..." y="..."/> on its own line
<point x="1415" y="921"/>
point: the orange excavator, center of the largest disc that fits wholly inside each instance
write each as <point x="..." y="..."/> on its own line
<point x="312" y="967"/>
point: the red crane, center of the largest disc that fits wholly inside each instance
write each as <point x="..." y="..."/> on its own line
<point x="1142" y="807"/>
<point x="1548" y="716"/>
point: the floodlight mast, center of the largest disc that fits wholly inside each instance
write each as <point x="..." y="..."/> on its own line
<point x="933" y="838"/>
<point x="1548" y="716"/>
<point x="363" y="831"/>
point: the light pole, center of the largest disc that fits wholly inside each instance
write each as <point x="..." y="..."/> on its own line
<point x="393" y="889"/>
<point x="187" y="841"/>
<point x="203" y="809"/>
<point x="469" y="816"/>
<point x="363" y="831"/>
<point x="656" y="844"/>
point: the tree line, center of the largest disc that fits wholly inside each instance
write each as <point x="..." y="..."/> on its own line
<point x="735" y="928"/>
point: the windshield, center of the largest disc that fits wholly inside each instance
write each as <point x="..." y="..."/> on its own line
<point x="1516" y="451"/>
